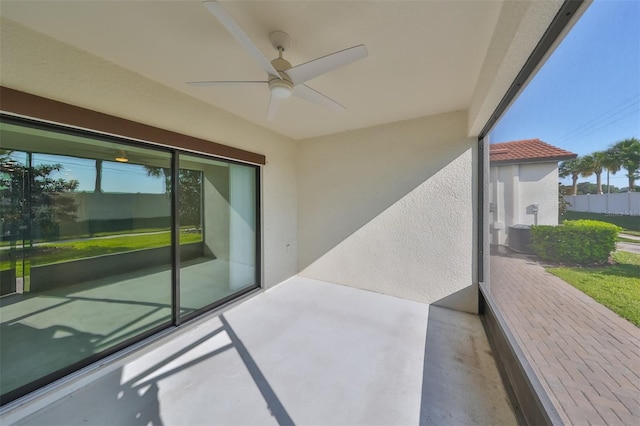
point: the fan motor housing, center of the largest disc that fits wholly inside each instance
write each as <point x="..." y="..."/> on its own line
<point x="281" y="65"/>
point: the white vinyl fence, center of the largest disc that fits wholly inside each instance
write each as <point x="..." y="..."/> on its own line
<point x="626" y="203"/>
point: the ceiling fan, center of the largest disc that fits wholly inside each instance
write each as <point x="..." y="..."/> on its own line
<point x="283" y="79"/>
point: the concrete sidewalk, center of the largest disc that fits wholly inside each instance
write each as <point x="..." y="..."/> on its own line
<point x="586" y="356"/>
<point x="630" y="247"/>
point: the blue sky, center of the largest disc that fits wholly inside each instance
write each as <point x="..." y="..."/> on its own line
<point x="587" y="95"/>
<point x="116" y="177"/>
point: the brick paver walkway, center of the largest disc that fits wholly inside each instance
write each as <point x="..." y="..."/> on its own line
<point x="586" y="357"/>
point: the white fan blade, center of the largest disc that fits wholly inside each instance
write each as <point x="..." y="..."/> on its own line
<point x="272" y="109"/>
<point x="305" y="92"/>
<point x="222" y="83"/>
<point x="234" y="29"/>
<point x="304" y="72"/>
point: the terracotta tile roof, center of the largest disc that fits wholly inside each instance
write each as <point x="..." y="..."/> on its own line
<point x="527" y="151"/>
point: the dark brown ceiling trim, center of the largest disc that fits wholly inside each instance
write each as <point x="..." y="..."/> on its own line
<point x="24" y="104"/>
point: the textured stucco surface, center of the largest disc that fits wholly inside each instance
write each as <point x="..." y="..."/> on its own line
<point x="391" y="209"/>
<point x="514" y="189"/>
<point x="40" y="65"/>
<point x="538" y="185"/>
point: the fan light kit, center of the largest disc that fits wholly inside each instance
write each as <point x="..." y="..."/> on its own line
<point x="280" y="89"/>
<point x="121" y="157"/>
<point x="283" y="79"/>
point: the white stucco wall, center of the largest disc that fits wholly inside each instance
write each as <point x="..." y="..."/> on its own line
<point x="513" y="191"/>
<point x="391" y="209"/>
<point x="40" y="65"/>
<point x="539" y="185"/>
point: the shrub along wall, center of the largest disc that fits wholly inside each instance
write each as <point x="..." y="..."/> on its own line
<point x="631" y="223"/>
<point x="575" y="241"/>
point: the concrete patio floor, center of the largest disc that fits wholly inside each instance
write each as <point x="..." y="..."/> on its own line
<point x="305" y="352"/>
<point x="586" y="357"/>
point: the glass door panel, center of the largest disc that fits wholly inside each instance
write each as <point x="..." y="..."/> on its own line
<point x="217" y="218"/>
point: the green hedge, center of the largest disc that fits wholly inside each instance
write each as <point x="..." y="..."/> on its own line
<point x="575" y="241"/>
<point x="632" y="223"/>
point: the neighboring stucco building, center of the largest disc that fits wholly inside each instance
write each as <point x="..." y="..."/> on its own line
<point x="523" y="186"/>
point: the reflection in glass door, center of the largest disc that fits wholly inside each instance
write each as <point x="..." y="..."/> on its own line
<point x="85" y="255"/>
<point x="218" y="203"/>
<point x="15" y="241"/>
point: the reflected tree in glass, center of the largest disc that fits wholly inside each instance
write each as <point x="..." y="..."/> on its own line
<point x="190" y="183"/>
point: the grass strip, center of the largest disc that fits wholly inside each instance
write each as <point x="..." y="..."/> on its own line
<point x="615" y="286"/>
<point x="100" y="234"/>
<point x="65" y="251"/>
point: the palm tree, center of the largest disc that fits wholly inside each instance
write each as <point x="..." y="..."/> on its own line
<point x="98" y="183"/>
<point x="594" y="164"/>
<point x="612" y="163"/>
<point x="626" y="155"/>
<point x="571" y="168"/>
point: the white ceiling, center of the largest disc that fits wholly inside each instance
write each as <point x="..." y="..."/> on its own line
<point x="424" y="56"/>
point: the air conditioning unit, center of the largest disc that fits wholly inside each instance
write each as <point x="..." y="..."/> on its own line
<point x="520" y="238"/>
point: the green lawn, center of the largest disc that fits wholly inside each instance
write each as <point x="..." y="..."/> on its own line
<point x="616" y="286"/>
<point x="65" y="251"/>
<point x="101" y="234"/>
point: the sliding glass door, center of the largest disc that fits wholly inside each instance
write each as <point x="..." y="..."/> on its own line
<point x="90" y="232"/>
